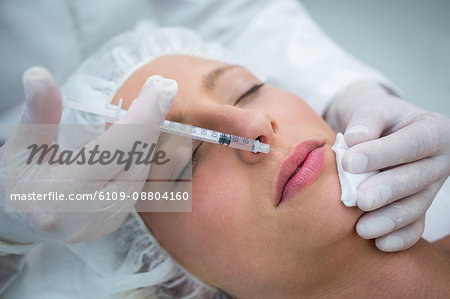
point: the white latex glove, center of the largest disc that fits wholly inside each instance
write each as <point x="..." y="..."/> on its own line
<point x="410" y="146"/>
<point x="44" y="106"/>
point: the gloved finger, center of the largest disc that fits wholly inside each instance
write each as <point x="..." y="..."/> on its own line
<point x="75" y="227"/>
<point x="155" y="100"/>
<point x="85" y="222"/>
<point x="369" y="122"/>
<point x="43" y="97"/>
<point x="152" y="112"/>
<point x="396" y="215"/>
<point x="139" y="126"/>
<point x="422" y="138"/>
<point x="113" y="215"/>
<point x="43" y="108"/>
<point x="400" y="182"/>
<point x="403" y="238"/>
<point x="105" y="216"/>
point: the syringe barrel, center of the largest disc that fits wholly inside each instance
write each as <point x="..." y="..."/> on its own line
<point x="189" y="131"/>
<point x="202" y="134"/>
<point x="112" y="113"/>
<point x="240" y="143"/>
<point x="246" y="144"/>
<point x="175" y="128"/>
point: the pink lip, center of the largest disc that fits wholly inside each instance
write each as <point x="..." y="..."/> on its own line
<point x="312" y="154"/>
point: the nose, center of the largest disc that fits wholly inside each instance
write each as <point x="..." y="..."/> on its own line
<point x="252" y="124"/>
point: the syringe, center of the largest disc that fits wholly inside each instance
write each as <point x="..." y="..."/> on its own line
<point x="215" y="137"/>
<point x="112" y="113"/>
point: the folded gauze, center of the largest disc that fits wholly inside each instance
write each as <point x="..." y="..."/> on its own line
<point x="349" y="181"/>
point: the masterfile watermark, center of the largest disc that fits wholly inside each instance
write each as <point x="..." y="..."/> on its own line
<point x="88" y="168"/>
<point x="95" y="156"/>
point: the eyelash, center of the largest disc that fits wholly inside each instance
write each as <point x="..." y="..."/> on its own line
<point x="249" y="92"/>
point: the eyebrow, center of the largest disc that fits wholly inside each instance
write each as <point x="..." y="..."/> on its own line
<point x="210" y="79"/>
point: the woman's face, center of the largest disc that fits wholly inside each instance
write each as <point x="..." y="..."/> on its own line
<point x="237" y="237"/>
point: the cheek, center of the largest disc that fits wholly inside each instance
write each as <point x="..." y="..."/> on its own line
<point x="308" y="119"/>
<point x="218" y="188"/>
<point x="215" y="193"/>
<point x="217" y="212"/>
<point x="192" y="237"/>
<point x="299" y="114"/>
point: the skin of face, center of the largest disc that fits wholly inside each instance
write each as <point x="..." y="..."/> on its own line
<point x="236" y="238"/>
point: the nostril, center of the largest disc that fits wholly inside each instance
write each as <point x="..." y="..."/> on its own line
<point x="261" y="138"/>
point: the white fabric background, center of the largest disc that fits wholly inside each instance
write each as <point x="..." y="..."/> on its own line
<point x="59" y="35"/>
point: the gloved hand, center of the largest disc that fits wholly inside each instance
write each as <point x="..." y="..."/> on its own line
<point x="44" y="106"/>
<point x="410" y="146"/>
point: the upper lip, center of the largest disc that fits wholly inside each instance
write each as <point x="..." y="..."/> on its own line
<point x="288" y="167"/>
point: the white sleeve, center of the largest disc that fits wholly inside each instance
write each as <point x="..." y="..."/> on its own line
<point x="284" y="44"/>
<point x="277" y="40"/>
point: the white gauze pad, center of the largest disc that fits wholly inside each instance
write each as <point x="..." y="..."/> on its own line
<point x="349" y="181"/>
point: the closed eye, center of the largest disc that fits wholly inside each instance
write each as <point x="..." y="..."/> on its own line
<point x="249" y="92"/>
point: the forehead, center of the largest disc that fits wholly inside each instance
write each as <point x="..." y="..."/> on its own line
<point x="188" y="71"/>
<point x="182" y="67"/>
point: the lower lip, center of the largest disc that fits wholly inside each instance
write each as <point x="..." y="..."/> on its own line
<point x="310" y="170"/>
